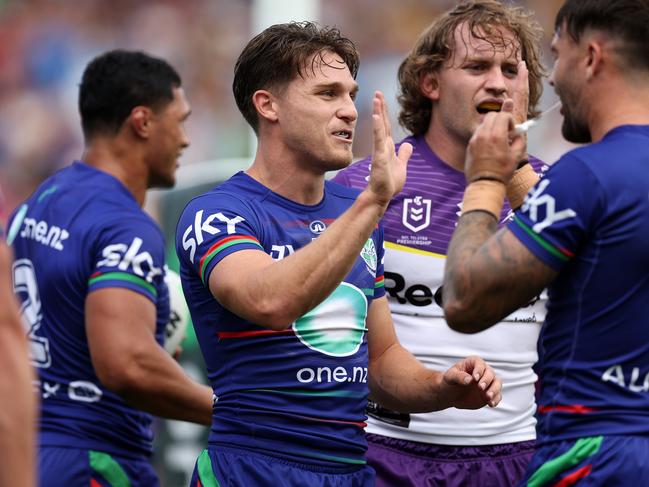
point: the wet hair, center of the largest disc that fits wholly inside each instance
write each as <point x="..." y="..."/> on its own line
<point x="624" y="20"/>
<point x="117" y="81"/>
<point x="280" y="53"/>
<point x="436" y="45"/>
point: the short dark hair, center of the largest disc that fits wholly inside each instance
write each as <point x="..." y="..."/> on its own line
<point x="115" y="82"/>
<point x="436" y="45"/>
<point x="279" y="54"/>
<point x="625" y="20"/>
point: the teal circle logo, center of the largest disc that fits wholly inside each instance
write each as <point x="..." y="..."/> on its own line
<point x="336" y="326"/>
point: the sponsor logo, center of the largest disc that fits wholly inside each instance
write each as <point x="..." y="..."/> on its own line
<point x="78" y="390"/>
<point x="535" y="200"/>
<point x="123" y="256"/>
<point x="317" y="227"/>
<point x="416" y="213"/>
<point x="84" y="391"/>
<point x="636" y="383"/>
<point x="308" y="375"/>
<point x="416" y="295"/>
<point x="278" y="252"/>
<point x="336" y="326"/>
<point x="40" y="231"/>
<point x="194" y="234"/>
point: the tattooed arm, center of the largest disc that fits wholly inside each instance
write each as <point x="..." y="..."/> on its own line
<point x="488" y="274"/>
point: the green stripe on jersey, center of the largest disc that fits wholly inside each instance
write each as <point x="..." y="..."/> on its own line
<point x="205" y="472"/>
<point x="109" y="469"/>
<point x="207" y="258"/>
<point x="582" y="449"/>
<point x="123" y="276"/>
<point x="543" y="243"/>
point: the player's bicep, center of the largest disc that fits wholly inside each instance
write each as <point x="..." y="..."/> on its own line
<point x="120" y="324"/>
<point x="516" y="270"/>
<point x="235" y="280"/>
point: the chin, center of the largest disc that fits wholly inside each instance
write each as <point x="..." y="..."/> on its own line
<point x="163" y="182"/>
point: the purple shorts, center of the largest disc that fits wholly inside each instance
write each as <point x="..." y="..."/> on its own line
<point x="411" y="464"/>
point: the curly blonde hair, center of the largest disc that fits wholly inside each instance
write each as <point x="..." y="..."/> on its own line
<point x="435" y="46"/>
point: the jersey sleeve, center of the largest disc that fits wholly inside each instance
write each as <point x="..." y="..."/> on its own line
<point x="379" y="282"/>
<point x="211" y="228"/>
<point x="559" y="211"/>
<point x="129" y="253"/>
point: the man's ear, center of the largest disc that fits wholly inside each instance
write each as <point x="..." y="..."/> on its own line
<point x="266" y="105"/>
<point x="429" y="86"/>
<point x="595" y="58"/>
<point x="140" y="120"/>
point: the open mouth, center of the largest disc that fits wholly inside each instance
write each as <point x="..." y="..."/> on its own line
<point x="489" y="106"/>
<point x="344" y="134"/>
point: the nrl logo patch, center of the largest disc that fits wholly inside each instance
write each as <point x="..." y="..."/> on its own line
<point x="416" y="213"/>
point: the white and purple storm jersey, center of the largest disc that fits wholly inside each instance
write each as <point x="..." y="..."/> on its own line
<point x="299" y="393"/>
<point x="419" y="223"/>
<point x="588" y="218"/>
<point x="82" y="230"/>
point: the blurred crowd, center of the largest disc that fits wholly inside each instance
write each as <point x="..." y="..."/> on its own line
<point x="45" y="44"/>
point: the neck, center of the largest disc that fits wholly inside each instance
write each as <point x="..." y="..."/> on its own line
<point x="120" y="160"/>
<point x="625" y="104"/>
<point x="278" y="170"/>
<point x="445" y="146"/>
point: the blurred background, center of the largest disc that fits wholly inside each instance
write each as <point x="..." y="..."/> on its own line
<point x="45" y="45"/>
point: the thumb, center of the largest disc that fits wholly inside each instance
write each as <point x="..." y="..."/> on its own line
<point x="405" y="151"/>
<point x="455" y="376"/>
<point x="508" y="106"/>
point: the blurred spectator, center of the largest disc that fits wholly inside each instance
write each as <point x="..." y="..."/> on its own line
<point x="44" y="45"/>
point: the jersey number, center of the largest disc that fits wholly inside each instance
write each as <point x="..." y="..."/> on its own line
<point x="26" y="287"/>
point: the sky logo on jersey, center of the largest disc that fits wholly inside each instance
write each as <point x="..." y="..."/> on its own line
<point x="369" y="256"/>
<point x="416" y="213"/>
<point x="337" y="325"/>
<point x="536" y="200"/>
<point x="123" y="257"/>
<point x="200" y="227"/>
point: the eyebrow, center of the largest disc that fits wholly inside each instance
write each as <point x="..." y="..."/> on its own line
<point x="336" y="85"/>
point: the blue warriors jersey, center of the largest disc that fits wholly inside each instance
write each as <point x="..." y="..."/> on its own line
<point x="81" y="231"/>
<point x="588" y="219"/>
<point x="298" y="393"/>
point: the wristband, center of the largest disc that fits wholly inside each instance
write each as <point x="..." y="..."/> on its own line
<point x="484" y="195"/>
<point x="519" y="185"/>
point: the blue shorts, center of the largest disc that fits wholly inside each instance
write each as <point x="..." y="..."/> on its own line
<point x="412" y="464"/>
<point x="597" y="460"/>
<point x="225" y="466"/>
<point x="75" y="467"/>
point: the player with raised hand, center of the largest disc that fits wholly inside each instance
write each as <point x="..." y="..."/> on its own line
<point x="283" y="273"/>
